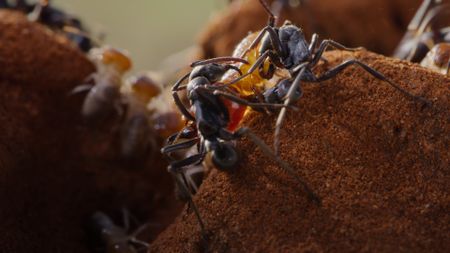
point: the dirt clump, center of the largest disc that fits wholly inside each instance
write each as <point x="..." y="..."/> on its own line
<point x="378" y="160"/>
<point x="54" y="171"/>
<point x="377" y="25"/>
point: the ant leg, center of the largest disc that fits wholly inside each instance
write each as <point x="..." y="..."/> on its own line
<point x="325" y="44"/>
<point x="427" y="24"/>
<point x="177" y="99"/>
<point x="39" y="7"/>
<point x="132" y="237"/>
<point x="420" y="14"/>
<point x="415" y="28"/>
<point x="178" y="146"/>
<point x="276" y="43"/>
<point x="257" y="64"/>
<point x="186" y="133"/>
<point x="269" y="28"/>
<point x="290" y="96"/>
<point x="272" y="18"/>
<point x="283" y="164"/>
<point x="81" y="88"/>
<point x="219" y="59"/>
<point x="176" y="166"/>
<point x="336" y="70"/>
<point x="314" y="41"/>
<point x="189" y="175"/>
<point x="245" y="102"/>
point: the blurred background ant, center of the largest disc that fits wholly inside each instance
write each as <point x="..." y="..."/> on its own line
<point x="106" y="236"/>
<point x="424" y="32"/>
<point x="58" y="20"/>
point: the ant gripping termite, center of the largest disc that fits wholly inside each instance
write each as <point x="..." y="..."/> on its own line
<point x="423" y="32"/>
<point x="209" y="127"/>
<point x="287" y="48"/>
<point x="116" y="239"/>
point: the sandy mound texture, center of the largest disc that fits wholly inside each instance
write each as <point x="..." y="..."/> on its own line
<point x="379" y="161"/>
<point x="53" y="173"/>
<point x="377" y="25"/>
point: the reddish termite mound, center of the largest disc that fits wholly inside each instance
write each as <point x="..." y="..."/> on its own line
<point x="377" y="25"/>
<point x="54" y="171"/>
<point x="379" y="161"/>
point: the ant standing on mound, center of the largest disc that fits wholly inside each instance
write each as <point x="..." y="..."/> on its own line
<point x="209" y="126"/>
<point x="287" y="48"/>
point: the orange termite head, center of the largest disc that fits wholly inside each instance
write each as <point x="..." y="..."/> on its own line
<point x="110" y="56"/>
<point x="144" y="87"/>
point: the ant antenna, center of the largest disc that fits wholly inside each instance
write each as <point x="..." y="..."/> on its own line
<point x="272" y="17"/>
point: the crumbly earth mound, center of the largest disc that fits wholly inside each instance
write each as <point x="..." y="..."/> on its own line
<point x="54" y="171"/>
<point x="377" y="25"/>
<point x="379" y="161"/>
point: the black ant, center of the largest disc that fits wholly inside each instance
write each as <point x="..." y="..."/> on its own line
<point x="209" y="126"/>
<point x="423" y="32"/>
<point x="287" y="48"/>
<point x="113" y="238"/>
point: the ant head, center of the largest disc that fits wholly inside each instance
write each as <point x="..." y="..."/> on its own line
<point x="212" y="71"/>
<point x="145" y="87"/>
<point x="112" y="57"/>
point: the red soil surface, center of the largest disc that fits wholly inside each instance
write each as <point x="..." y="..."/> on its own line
<point x="54" y="171"/>
<point x="377" y="25"/>
<point x="379" y="161"/>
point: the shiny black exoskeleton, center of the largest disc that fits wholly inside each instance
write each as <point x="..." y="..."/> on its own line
<point x="207" y="127"/>
<point x="210" y="116"/>
<point x="287" y="48"/>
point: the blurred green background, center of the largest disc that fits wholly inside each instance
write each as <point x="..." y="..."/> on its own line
<point x="150" y="30"/>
